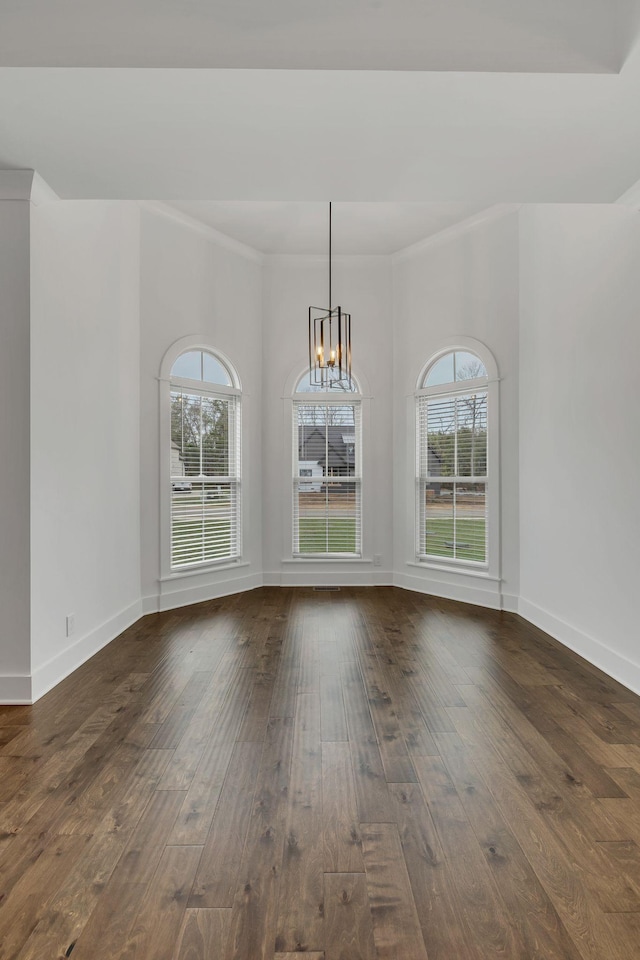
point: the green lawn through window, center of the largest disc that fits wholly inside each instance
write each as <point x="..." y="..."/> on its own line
<point x="470" y="538"/>
<point x="210" y="539"/>
<point x="333" y="535"/>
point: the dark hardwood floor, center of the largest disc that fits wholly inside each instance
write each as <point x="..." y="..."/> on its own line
<point x="367" y="773"/>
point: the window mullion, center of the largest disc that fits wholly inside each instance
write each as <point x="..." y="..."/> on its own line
<point x="455" y="434"/>
<point x="200" y="468"/>
<point x="455" y="516"/>
<point x="326" y="486"/>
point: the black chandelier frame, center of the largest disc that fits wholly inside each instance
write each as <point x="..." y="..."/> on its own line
<point x="330" y="340"/>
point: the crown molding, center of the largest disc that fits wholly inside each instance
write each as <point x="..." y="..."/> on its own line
<point x="191" y="223"/>
<point x="25" y="185"/>
<point x="631" y="197"/>
<point x="484" y="217"/>
<point x="204" y="230"/>
<point x="16" y="184"/>
<point x="323" y="258"/>
<point x="41" y="192"/>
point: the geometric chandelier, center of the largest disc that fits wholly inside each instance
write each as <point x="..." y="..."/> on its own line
<point x="330" y="342"/>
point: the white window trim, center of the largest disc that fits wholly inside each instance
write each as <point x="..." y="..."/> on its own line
<point x="165" y="382"/>
<point x="491" y="567"/>
<point x="361" y="396"/>
<point x="197" y="386"/>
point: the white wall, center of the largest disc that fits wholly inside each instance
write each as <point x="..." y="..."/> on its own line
<point x="194" y="284"/>
<point x="552" y="292"/>
<point x="580" y="430"/>
<point x="85" y="535"/>
<point x="464" y="283"/>
<point x="361" y="285"/>
<point x="14" y="451"/>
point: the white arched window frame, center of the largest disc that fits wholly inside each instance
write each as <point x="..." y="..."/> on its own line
<point x="327" y="429"/>
<point x="200" y="471"/>
<point x="457" y="515"/>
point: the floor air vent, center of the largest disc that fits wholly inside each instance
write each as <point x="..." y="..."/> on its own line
<point x="324" y="589"/>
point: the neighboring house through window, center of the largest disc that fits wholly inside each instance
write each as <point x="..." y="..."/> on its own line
<point x="327" y="471"/>
<point x="454" y="420"/>
<point x="205" y="460"/>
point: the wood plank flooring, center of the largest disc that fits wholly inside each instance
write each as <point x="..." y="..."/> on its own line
<point x="359" y="774"/>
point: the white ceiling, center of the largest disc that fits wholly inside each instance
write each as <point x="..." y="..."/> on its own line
<point x="310" y="135"/>
<point x="185" y="136"/>
<point x="466" y="35"/>
<point x="303" y="228"/>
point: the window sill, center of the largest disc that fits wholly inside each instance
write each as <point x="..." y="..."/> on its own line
<point x="204" y="570"/>
<point x="361" y="560"/>
<point x="460" y="570"/>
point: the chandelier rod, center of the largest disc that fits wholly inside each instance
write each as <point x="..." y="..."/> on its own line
<point x="330" y="300"/>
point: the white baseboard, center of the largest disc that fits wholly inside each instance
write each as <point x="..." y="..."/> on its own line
<point x="383" y="578"/>
<point x="69" y="659"/>
<point x="23" y="689"/>
<point x="173" y="596"/>
<point x="150" y="604"/>
<point x="482" y="596"/>
<point x="625" y="671"/>
<point x="511" y="602"/>
<point x="327" y="578"/>
<point x="15" y="689"/>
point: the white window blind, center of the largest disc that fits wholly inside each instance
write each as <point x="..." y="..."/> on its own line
<point x="452" y="476"/>
<point x="205" y="477"/>
<point x="327" y="479"/>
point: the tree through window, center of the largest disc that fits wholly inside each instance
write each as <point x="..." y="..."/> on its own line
<point x="452" y="462"/>
<point x="205" y="461"/>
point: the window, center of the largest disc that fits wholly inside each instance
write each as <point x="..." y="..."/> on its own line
<point x="205" y="461"/>
<point x="452" y="460"/>
<point x="326" y="471"/>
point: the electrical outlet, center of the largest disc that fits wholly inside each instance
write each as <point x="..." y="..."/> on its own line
<point x="377" y="559"/>
<point x="71" y="623"/>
